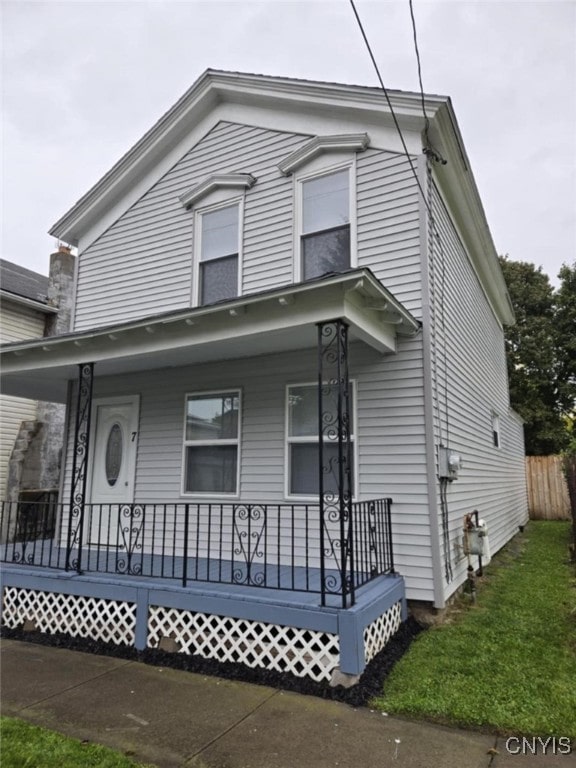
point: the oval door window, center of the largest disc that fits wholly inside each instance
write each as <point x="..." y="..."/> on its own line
<point x="114" y="454"/>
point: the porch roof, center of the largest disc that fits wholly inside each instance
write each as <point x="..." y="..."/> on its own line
<point x="273" y="321"/>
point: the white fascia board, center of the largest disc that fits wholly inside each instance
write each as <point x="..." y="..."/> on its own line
<point x="457" y="182"/>
<point x="39" y="306"/>
<point x="311" y="108"/>
<point x="248" y="317"/>
<point x="330" y="95"/>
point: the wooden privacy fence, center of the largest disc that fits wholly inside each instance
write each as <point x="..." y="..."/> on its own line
<point x="547" y="488"/>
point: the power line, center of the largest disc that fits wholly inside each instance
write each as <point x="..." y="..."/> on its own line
<point x="391" y="108"/>
<point x="430" y="152"/>
<point x="429" y="148"/>
<point x="426" y="121"/>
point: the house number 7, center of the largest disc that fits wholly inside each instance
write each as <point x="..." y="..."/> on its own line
<point x="134" y="436"/>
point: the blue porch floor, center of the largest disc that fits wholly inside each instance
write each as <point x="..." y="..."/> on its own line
<point x="255" y="577"/>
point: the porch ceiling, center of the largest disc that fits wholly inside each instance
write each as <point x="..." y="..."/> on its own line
<point x="274" y="321"/>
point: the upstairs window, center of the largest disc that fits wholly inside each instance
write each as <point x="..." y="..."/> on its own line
<point x="218" y="254"/>
<point x="325" y="232"/>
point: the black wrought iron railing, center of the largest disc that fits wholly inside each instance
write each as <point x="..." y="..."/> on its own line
<point x="36" y="517"/>
<point x="274" y="546"/>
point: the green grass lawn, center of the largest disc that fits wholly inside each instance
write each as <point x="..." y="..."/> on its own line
<point x="509" y="661"/>
<point x="27" y="746"/>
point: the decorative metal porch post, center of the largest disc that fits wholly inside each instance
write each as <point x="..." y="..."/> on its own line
<point x="79" y="466"/>
<point x="335" y="472"/>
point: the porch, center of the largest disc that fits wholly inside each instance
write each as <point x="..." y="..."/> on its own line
<point x="306" y="587"/>
<point x="232" y="582"/>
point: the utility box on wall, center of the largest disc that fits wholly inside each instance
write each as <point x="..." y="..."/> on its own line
<point x="449" y="463"/>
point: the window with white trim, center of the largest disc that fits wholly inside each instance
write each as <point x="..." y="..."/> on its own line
<point x="211" y="442"/>
<point x="325" y="224"/>
<point x="218" y="253"/>
<point x="302" y="440"/>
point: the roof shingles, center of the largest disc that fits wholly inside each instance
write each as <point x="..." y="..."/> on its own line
<point x="23" y="282"/>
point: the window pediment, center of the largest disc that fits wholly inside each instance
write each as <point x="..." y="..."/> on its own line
<point x="348" y="142"/>
<point x="232" y="181"/>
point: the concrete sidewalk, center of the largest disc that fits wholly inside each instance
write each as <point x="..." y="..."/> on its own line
<point x="172" y="718"/>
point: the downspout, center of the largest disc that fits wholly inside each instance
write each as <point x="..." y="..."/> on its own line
<point x="433" y="512"/>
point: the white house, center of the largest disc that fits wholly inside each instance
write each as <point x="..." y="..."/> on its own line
<point x="267" y="265"/>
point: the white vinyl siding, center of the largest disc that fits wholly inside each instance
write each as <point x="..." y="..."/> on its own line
<point x="143" y="264"/>
<point x="469" y="366"/>
<point x="13" y="411"/>
<point x="388" y="224"/>
<point x="20" y="322"/>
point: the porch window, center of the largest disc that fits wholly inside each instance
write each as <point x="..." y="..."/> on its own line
<point x="218" y="258"/>
<point x="211" y="443"/>
<point x="302" y="440"/>
<point x="325" y="236"/>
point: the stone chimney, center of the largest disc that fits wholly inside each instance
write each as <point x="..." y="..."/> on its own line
<point x="61" y="290"/>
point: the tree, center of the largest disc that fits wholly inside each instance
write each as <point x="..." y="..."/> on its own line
<point x="565" y="325"/>
<point x="535" y="367"/>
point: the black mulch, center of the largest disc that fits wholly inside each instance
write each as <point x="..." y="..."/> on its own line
<point x="371" y="682"/>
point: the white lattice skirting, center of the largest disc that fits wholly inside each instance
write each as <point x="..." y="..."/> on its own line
<point x="303" y="652"/>
<point x="257" y="644"/>
<point x="111" y="621"/>
<point x="379" y="632"/>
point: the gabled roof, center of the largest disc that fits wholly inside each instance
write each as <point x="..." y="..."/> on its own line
<point x="214" y="90"/>
<point x="23" y="283"/>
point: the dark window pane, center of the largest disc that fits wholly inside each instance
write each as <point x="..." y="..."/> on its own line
<point x="303" y="410"/>
<point x="212" y="417"/>
<point x="326" y="252"/>
<point x="219" y="280"/>
<point x="211" y="469"/>
<point x="304" y="469"/>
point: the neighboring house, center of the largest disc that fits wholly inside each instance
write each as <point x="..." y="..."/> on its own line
<point x="31" y="432"/>
<point x="24" y="308"/>
<point x="268" y="234"/>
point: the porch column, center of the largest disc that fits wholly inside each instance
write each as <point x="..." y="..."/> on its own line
<point x="79" y="467"/>
<point x="335" y="471"/>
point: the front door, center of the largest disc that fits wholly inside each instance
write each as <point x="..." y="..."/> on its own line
<point x="115" y="439"/>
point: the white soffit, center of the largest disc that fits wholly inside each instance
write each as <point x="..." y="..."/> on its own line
<point x="274" y="321"/>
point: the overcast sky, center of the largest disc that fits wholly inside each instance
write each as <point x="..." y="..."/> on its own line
<point x="84" y="79"/>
